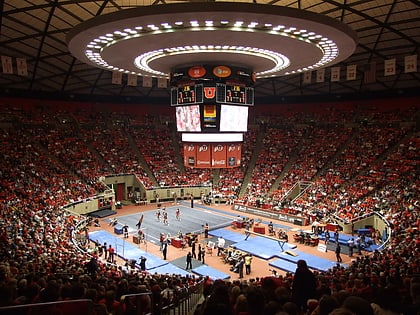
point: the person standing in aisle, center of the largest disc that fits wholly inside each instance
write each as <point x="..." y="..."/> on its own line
<point x="189" y="261"/>
<point x="199" y="252"/>
<point x="165" y="250"/>
<point x="327" y="239"/>
<point x="105" y="250"/>
<point x="194" y="254"/>
<point x="240" y="266"/>
<point x="248" y="260"/>
<point x="303" y="285"/>
<point x="336" y="236"/>
<point x="220" y="245"/>
<point x="338" y="253"/>
<point x="206" y="230"/>
<point x="203" y="254"/>
<point x="111" y="252"/>
<point x="143" y="263"/>
<point x="351" y="246"/>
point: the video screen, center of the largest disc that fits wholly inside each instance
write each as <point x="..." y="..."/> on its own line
<point x="233" y="118"/>
<point x="188" y="118"/>
<point x="210" y="116"/>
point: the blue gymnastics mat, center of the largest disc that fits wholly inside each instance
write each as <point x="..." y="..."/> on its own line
<point x="284" y="265"/>
<point x="313" y="262"/>
<point x="344" y="238"/>
<point x="256" y="245"/>
<point x="214" y="274"/>
<point x="228" y="235"/>
<point x="262" y="247"/>
<point x="154" y="264"/>
<point x="125" y="249"/>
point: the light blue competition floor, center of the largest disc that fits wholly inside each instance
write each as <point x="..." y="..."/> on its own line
<point x="258" y="246"/>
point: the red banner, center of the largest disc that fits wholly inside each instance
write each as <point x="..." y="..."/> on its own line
<point x="201" y="155"/>
<point x="233" y="156"/>
<point x="189" y="154"/>
<point x="218" y="158"/>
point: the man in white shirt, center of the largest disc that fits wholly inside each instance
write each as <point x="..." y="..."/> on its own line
<point x="220" y="245"/>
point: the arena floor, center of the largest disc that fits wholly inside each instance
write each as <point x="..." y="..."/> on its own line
<point x="192" y="220"/>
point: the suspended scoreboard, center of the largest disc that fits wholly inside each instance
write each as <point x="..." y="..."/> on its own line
<point x="235" y="93"/>
<point x="212" y="113"/>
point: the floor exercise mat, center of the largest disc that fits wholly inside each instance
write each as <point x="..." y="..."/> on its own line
<point x="181" y="262"/>
<point x="191" y="221"/>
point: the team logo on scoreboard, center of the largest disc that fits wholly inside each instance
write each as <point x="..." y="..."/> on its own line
<point x="222" y="71"/>
<point x="218" y="148"/>
<point x="196" y="72"/>
<point x="203" y="148"/>
<point x="209" y="92"/>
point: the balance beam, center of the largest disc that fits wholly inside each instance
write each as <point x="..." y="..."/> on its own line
<point x="281" y="242"/>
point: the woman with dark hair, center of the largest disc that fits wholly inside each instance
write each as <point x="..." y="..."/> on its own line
<point x="303" y="285"/>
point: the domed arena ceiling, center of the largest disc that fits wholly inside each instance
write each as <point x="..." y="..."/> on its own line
<point x="296" y="49"/>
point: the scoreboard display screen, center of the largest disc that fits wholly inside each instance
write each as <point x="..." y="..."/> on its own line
<point x="235" y="94"/>
<point x="187" y="94"/>
<point x="212" y="107"/>
<point x="233" y="118"/>
<point x="188" y="118"/>
<point x="210" y="93"/>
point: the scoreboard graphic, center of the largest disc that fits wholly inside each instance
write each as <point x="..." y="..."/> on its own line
<point x="210" y="93"/>
<point x="211" y="104"/>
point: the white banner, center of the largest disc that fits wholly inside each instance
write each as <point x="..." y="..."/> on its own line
<point x="162" y="83"/>
<point x="22" y="67"/>
<point x="116" y="77"/>
<point x="410" y="63"/>
<point x="351" y="72"/>
<point x="320" y="75"/>
<point x="147" y="82"/>
<point x="307" y="77"/>
<point x="6" y="63"/>
<point x="335" y="74"/>
<point x="132" y="80"/>
<point x="389" y="67"/>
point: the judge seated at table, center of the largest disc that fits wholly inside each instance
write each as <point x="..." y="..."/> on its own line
<point x="282" y="235"/>
<point x="299" y="237"/>
<point x="315" y="226"/>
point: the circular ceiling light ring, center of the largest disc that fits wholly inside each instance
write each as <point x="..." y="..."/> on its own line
<point x="90" y="40"/>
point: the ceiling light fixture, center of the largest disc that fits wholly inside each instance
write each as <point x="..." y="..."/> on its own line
<point x="150" y="41"/>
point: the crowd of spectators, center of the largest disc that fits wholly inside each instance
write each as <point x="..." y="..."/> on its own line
<point x="46" y="166"/>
